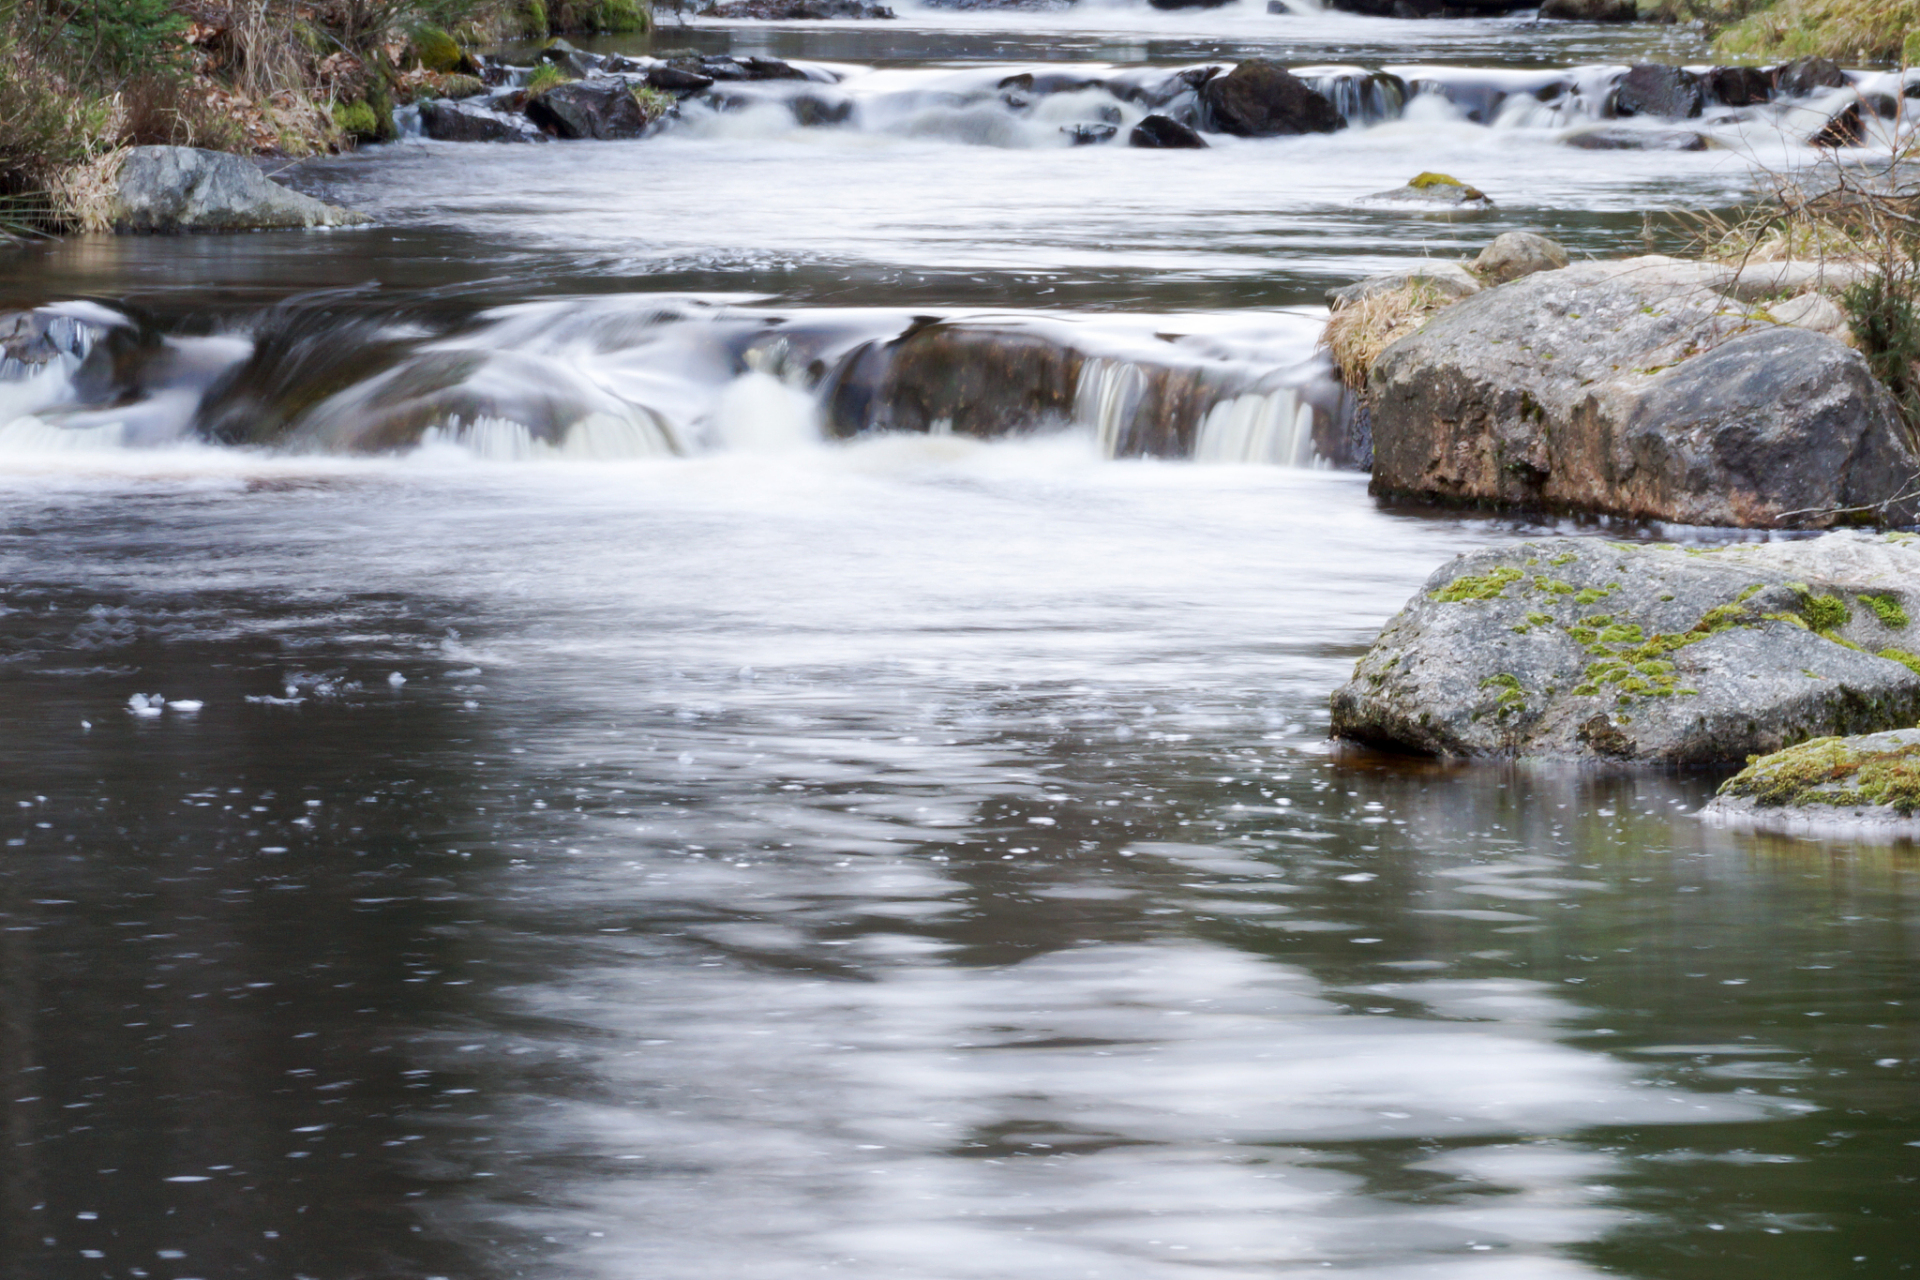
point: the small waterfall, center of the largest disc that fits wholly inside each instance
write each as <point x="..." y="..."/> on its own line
<point x="599" y="437"/>
<point x="1108" y="394"/>
<point x="1274" y="427"/>
<point x="1361" y="97"/>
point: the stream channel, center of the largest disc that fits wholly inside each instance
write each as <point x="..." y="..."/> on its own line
<point x="647" y="819"/>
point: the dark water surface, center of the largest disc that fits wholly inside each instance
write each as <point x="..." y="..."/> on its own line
<point x="910" y="857"/>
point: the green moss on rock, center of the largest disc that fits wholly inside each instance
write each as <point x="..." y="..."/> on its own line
<point x="1481" y="586"/>
<point x="1840" y="772"/>
<point x="436" y="50"/>
<point x="1888" y="609"/>
<point x="357" y="120"/>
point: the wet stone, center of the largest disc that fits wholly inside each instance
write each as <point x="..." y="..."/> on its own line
<point x="1586" y="649"/>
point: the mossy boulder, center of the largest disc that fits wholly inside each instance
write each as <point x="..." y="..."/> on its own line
<point x="357" y="120"/>
<point x="1871" y="782"/>
<point x="436" y="50"/>
<point x="1585" y="649"/>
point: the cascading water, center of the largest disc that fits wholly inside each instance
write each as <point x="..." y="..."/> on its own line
<point x="819" y="849"/>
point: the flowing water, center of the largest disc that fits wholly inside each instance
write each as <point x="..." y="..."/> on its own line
<point x="537" y="745"/>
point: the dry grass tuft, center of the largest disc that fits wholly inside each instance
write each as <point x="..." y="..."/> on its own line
<point x="1356" y="335"/>
<point x="83" y="194"/>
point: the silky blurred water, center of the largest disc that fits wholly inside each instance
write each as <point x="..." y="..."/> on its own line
<point x="908" y="857"/>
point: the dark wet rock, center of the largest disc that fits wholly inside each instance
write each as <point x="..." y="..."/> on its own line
<point x="1260" y="98"/>
<point x="1803" y="76"/>
<point x="579" y="65"/>
<point x="1740" y="86"/>
<point x="1592" y="650"/>
<point x="471" y="122"/>
<point x="1591" y="10"/>
<point x="1518" y="253"/>
<point x="955" y="377"/>
<point x="985" y="380"/>
<point x="1672" y="93"/>
<point x="1634" y="389"/>
<point x="1637" y="140"/>
<point x="815" y="109"/>
<point x="1087" y="135"/>
<point x="172" y="189"/>
<point x="677" y="80"/>
<point x="1164" y="132"/>
<point x="1846" y="128"/>
<point x="796" y="10"/>
<point x="1188" y="4"/>
<point x="601" y="110"/>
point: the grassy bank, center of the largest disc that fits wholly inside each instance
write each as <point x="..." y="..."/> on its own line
<point x="1852" y="32"/>
<point x="83" y="80"/>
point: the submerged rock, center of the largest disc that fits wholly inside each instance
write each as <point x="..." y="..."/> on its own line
<point x="178" y="189"/>
<point x="1087" y="135"/>
<point x="1845" y="128"/>
<point x="1164" y="132"/>
<point x="1651" y="89"/>
<point x="1591" y="10"/>
<point x="470" y="122"/>
<point x="1518" y="253"/>
<point x="1637" y="140"/>
<point x="589" y="109"/>
<point x="1867" y="785"/>
<point x="1632" y="388"/>
<point x="1587" y="649"/>
<point x="30" y="340"/>
<point x="1260" y="98"/>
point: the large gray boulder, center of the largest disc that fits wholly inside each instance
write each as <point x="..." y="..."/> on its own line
<point x="1588" y="649"/>
<point x="176" y="189"/>
<point x="1637" y="389"/>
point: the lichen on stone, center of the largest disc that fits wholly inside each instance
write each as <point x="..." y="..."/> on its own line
<point x="1832" y="771"/>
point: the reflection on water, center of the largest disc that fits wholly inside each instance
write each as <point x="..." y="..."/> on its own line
<point x="909" y="858"/>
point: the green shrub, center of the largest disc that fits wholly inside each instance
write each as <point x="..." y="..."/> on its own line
<point x="1883" y="311"/>
<point x="653" y="103"/>
<point x="121" y="37"/>
<point x="546" y="76"/>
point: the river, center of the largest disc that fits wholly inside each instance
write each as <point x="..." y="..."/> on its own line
<point x="705" y="846"/>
